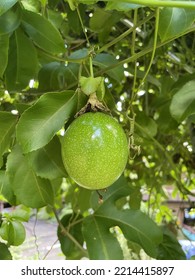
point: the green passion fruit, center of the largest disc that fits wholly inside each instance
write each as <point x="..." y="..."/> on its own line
<point x="95" y="150"/>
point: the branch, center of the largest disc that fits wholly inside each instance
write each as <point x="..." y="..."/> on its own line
<point x="160" y="3"/>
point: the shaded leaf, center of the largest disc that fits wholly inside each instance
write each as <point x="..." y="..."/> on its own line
<point x="44" y="119"/>
<point x="6" y="189"/>
<point x="4" y="252"/>
<point x="169" y="248"/>
<point x="135" y="225"/>
<point x="104" y="60"/>
<point x="22" y="63"/>
<point x="42" y="32"/>
<point x="4" y="43"/>
<point x="174" y="21"/>
<point x="102" y="22"/>
<point x="47" y="161"/>
<point x="147" y="123"/>
<point x="6" y="5"/>
<point x="57" y="76"/>
<point x="7" y="124"/>
<point x="30" y="190"/>
<point x="68" y="247"/>
<point x="183" y="102"/>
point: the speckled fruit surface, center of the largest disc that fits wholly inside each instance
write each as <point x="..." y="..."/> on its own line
<point x="95" y="150"/>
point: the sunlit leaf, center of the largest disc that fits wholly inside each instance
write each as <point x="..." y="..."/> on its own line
<point x="183" y="102"/>
<point x="174" y="21"/>
<point x="47" y="161"/>
<point x="22" y="63"/>
<point x="4" y="43"/>
<point x="42" y="32"/>
<point x="6" y="5"/>
<point x="44" y="119"/>
<point x="30" y="190"/>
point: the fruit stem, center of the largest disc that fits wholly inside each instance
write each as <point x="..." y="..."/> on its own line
<point x="91" y="66"/>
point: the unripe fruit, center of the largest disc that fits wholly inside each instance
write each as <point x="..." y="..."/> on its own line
<point x="95" y="150"/>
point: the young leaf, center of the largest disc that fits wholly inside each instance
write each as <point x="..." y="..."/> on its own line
<point x="47" y="162"/>
<point x="6" y="5"/>
<point x="38" y="124"/>
<point x="183" y="102"/>
<point x="22" y="64"/>
<point x="7" y="124"/>
<point x="13" y="232"/>
<point x="42" y="32"/>
<point x="174" y="21"/>
<point x="30" y="190"/>
<point x="4" y="43"/>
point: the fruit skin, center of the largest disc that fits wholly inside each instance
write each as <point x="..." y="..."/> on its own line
<point x="95" y="150"/>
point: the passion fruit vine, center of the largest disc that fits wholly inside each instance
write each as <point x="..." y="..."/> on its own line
<point x="95" y="150"/>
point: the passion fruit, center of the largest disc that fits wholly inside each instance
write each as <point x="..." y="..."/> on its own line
<point x="95" y="150"/>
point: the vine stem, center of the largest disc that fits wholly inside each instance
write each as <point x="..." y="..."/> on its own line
<point x="160" y="3"/>
<point x="125" y="34"/>
<point x="143" y="52"/>
<point x="66" y="233"/>
<point x="82" y="25"/>
<point x="154" y="46"/>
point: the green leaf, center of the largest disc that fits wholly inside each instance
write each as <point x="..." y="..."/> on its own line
<point x="6" y="5"/>
<point x="46" y="117"/>
<point x="135" y="225"/>
<point x="183" y="102"/>
<point x="121" y="6"/>
<point x="10" y="20"/>
<point x="7" y="124"/>
<point x="30" y="190"/>
<point x="22" y="64"/>
<point x="20" y="214"/>
<point x="68" y="247"/>
<point x="148" y="124"/>
<point x="170" y="249"/>
<point x="57" y="76"/>
<point x="174" y="21"/>
<point x="4" y="43"/>
<point x="103" y="21"/>
<point x="47" y="162"/>
<point x="90" y="85"/>
<point x="4" y="252"/>
<point x="43" y="33"/>
<point x="104" y="60"/>
<point x="6" y="188"/>
<point x="101" y="243"/>
<point x="13" y="232"/>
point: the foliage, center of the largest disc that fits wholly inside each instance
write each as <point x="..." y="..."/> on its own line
<point x="138" y="56"/>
